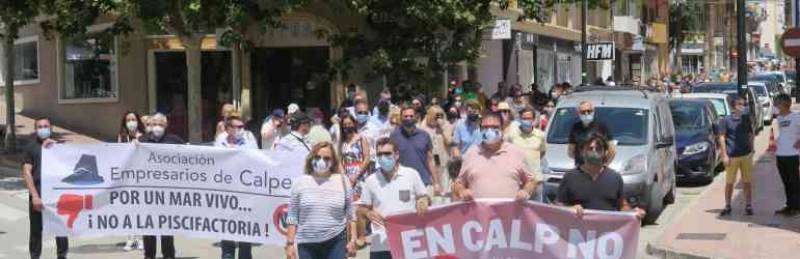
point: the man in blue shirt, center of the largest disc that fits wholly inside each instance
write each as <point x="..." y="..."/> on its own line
<point x="736" y="138"/>
<point x="416" y="149"/>
<point x="467" y="130"/>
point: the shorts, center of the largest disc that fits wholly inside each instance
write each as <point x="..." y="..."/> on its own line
<point x="743" y="164"/>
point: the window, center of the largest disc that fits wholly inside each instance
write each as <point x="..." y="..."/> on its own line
<point x="89" y="70"/>
<point x="26" y="64"/>
<point x="627" y="125"/>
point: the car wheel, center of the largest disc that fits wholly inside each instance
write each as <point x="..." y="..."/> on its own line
<point x="655" y="206"/>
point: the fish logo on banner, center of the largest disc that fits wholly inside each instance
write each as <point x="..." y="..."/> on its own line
<point x="85" y="172"/>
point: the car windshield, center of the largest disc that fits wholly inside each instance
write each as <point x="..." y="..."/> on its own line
<point x="763" y="77"/>
<point x="627" y="125"/>
<point x="715" y="88"/>
<point x="760" y="90"/>
<point x="687" y="116"/>
<point x="720" y="106"/>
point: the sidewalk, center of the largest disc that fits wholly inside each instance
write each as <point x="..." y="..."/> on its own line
<point x="25" y="133"/>
<point x="701" y="233"/>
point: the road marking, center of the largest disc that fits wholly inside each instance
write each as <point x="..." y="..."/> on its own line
<point x="11" y="214"/>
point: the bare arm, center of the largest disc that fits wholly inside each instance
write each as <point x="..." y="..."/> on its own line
<point x="433" y="169"/>
<point x="27" y="176"/>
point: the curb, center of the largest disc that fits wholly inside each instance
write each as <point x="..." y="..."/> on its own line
<point x="663" y="252"/>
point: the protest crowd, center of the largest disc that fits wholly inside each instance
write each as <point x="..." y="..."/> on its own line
<point x="405" y="153"/>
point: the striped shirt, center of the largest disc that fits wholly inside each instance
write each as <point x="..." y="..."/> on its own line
<point x="320" y="208"/>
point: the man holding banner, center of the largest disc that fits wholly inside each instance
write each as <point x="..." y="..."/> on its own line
<point x="31" y="173"/>
<point x="495" y="169"/>
<point x="593" y="183"/>
<point x="397" y="188"/>
<point x="159" y="135"/>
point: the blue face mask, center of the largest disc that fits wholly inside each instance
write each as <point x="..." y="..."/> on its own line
<point x="491" y="136"/>
<point x="43" y="133"/>
<point x="526" y="125"/>
<point x="362" y="118"/>
<point x="386" y="163"/>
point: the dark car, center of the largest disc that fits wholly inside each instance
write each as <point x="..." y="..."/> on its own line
<point x="696" y="141"/>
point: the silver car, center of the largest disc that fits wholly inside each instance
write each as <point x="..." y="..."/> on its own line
<point x="641" y="124"/>
<point x="764" y="100"/>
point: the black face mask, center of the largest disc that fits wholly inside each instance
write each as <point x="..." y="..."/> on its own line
<point x="472" y="117"/>
<point x="349" y="130"/>
<point x="452" y="116"/>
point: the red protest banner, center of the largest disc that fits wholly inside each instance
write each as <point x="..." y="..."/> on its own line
<point x="507" y="229"/>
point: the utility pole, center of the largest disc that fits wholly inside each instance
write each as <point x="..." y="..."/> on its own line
<point x="741" y="47"/>
<point x="613" y="39"/>
<point x="796" y="23"/>
<point x="584" y="70"/>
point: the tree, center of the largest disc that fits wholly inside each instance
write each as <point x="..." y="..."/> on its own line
<point x="14" y="14"/>
<point x="685" y="19"/>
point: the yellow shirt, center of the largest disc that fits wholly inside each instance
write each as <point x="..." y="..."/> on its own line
<point x="533" y="145"/>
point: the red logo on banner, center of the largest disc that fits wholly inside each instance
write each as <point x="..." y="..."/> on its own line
<point x="72" y="204"/>
<point x="279" y="218"/>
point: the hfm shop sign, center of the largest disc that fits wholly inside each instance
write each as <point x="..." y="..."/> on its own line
<point x="600" y="51"/>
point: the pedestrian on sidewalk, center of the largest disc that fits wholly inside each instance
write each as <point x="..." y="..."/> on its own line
<point x="31" y="174"/>
<point x="593" y="185"/>
<point x="396" y="188"/>
<point x="321" y="216"/>
<point x="736" y="138"/>
<point x="787" y="155"/>
<point x="495" y="168"/>
<point x="159" y="136"/>
<point x="236" y="137"/>
<point x="130" y="130"/>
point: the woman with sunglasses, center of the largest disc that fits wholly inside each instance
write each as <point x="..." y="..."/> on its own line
<point x="235" y="137"/>
<point x="355" y="151"/>
<point x="321" y="215"/>
<point x="441" y="133"/>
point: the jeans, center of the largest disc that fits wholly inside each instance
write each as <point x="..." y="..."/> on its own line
<point x="334" y="248"/>
<point x="380" y="255"/>
<point x="790" y="175"/>
<point x="229" y="249"/>
<point x="167" y="246"/>
<point x="35" y="241"/>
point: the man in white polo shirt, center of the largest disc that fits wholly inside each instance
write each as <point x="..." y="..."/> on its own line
<point x="787" y="156"/>
<point x="394" y="189"/>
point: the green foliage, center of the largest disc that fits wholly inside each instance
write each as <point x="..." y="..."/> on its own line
<point x="684" y="18"/>
<point x="16" y="13"/>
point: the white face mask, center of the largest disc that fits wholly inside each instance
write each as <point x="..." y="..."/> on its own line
<point x="587" y="118"/>
<point x="320" y="166"/>
<point x="158" y="131"/>
<point x="131" y="125"/>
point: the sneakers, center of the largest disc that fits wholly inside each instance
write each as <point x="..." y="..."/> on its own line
<point x="726" y="211"/>
<point x="129" y="245"/>
<point x="748" y="210"/>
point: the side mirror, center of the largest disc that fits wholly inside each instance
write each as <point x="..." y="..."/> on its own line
<point x="665" y="142"/>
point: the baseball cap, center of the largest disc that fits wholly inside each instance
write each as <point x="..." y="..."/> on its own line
<point x="278" y="113"/>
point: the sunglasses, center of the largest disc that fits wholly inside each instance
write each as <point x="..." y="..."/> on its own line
<point x="326" y="158"/>
<point x="362" y="113"/>
<point x="439" y="115"/>
<point x="238" y="126"/>
<point x="586" y="112"/>
<point x="380" y="154"/>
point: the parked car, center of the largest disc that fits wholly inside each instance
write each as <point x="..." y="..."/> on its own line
<point x="732" y="90"/>
<point x="764" y="101"/>
<point x="696" y="139"/>
<point x="641" y="124"/>
<point x="721" y="102"/>
<point x="775" y="76"/>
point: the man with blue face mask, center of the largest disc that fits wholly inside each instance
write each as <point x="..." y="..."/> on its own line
<point x="495" y="168"/>
<point x="394" y="189"/>
<point x="585" y="127"/>
<point x="31" y="175"/>
<point x="530" y="140"/>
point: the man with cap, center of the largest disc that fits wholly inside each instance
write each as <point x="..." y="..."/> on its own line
<point x="296" y="140"/>
<point x="272" y="129"/>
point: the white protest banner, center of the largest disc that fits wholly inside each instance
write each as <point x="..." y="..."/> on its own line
<point x="151" y="189"/>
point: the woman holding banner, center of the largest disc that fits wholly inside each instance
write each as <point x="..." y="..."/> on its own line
<point x="235" y="136"/>
<point x="321" y="213"/>
<point x="130" y="129"/>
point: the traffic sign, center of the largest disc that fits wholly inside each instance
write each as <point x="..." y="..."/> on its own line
<point x="791" y="42"/>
